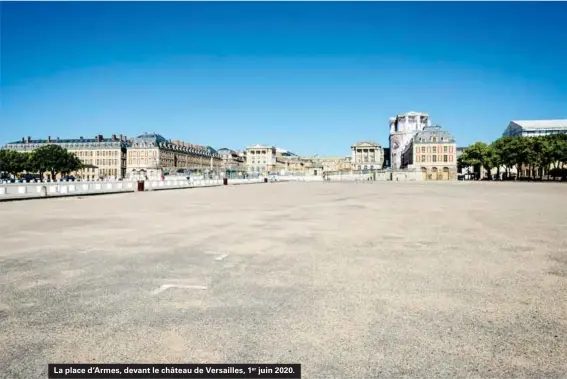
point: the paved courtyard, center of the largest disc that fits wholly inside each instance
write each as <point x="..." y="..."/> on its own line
<point x="352" y="280"/>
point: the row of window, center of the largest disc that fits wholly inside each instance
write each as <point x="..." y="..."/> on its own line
<point x="543" y="132"/>
<point x="97" y="153"/>
<point x="257" y="152"/>
<point x="257" y="169"/>
<point x="104" y="162"/>
<point x="108" y="172"/>
<point x="138" y="154"/>
<point x="434" y="158"/>
<point x="434" y="149"/>
<point x="434" y="139"/>
<point x="365" y="159"/>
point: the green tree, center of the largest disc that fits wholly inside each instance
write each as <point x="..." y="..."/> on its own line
<point x="558" y="149"/>
<point x="479" y="155"/>
<point x="71" y="163"/>
<point x="13" y="162"/>
<point x="53" y="159"/>
<point x="503" y="150"/>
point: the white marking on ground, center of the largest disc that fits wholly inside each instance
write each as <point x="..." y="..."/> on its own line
<point x="168" y="286"/>
<point x="87" y="251"/>
<point x="221" y="257"/>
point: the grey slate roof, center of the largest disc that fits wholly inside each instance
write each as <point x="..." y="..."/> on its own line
<point x="426" y="135"/>
<point x="67" y="140"/>
<point x="151" y="138"/>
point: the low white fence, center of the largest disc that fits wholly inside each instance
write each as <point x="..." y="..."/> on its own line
<point x="46" y="189"/>
<point x="293" y="178"/>
<point x="355" y="177"/>
<point x="379" y="176"/>
<point x="245" y="181"/>
<point x="64" y="188"/>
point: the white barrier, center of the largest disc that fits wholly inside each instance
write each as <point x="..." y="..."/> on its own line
<point x="245" y="181"/>
<point x="41" y="189"/>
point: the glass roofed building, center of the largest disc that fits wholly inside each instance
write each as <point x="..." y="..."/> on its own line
<point x="532" y="128"/>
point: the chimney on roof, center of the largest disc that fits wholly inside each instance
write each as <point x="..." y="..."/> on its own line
<point x="23" y="140"/>
<point x="28" y="140"/>
<point x="81" y="137"/>
<point x="114" y="137"/>
<point x="121" y="138"/>
<point x="99" y="138"/>
<point x="48" y="139"/>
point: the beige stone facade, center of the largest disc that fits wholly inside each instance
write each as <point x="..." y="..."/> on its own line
<point x="367" y="156"/>
<point x="433" y="152"/>
<point x="331" y="164"/>
<point x="261" y="159"/>
<point x="292" y="165"/>
<point x="102" y="157"/>
<point x="233" y="161"/>
<point x="151" y="156"/>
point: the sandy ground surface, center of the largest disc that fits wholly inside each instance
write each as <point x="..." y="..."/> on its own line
<point x="352" y="280"/>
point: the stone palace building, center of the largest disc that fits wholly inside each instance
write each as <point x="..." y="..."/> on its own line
<point x="151" y="155"/>
<point x="403" y="128"/>
<point x="367" y="156"/>
<point x="102" y="157"/>
<point x="433" y="152"/>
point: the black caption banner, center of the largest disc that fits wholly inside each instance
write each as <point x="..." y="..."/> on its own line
<point x="150" y="371"/>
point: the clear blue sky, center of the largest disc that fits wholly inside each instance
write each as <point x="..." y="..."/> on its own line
<point x="310" y="77"/>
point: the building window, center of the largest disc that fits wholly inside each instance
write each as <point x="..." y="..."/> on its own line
<point x="434" y="149"/>
<point x="445" y="158"/>
<point x="423" y="158"/>
<point x="435" y="158"/>
<point x="445" y="149"/>
<point x="423" y="149"/>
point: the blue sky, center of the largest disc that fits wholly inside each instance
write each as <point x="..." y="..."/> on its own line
<point x="310" y="77"/>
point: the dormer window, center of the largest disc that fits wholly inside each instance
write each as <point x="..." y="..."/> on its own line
<point x="434" y="139"/>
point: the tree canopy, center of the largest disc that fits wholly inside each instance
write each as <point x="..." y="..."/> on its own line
<point x="535" y="153"/>
<point x="49" y="158"/>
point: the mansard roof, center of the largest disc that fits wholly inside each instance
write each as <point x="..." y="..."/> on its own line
<point x="427" y="134"/>
<point x="151" y="138"/>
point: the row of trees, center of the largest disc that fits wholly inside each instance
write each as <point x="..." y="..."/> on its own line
<point x="542" y="155"/>
<point x="49" y="158"/>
